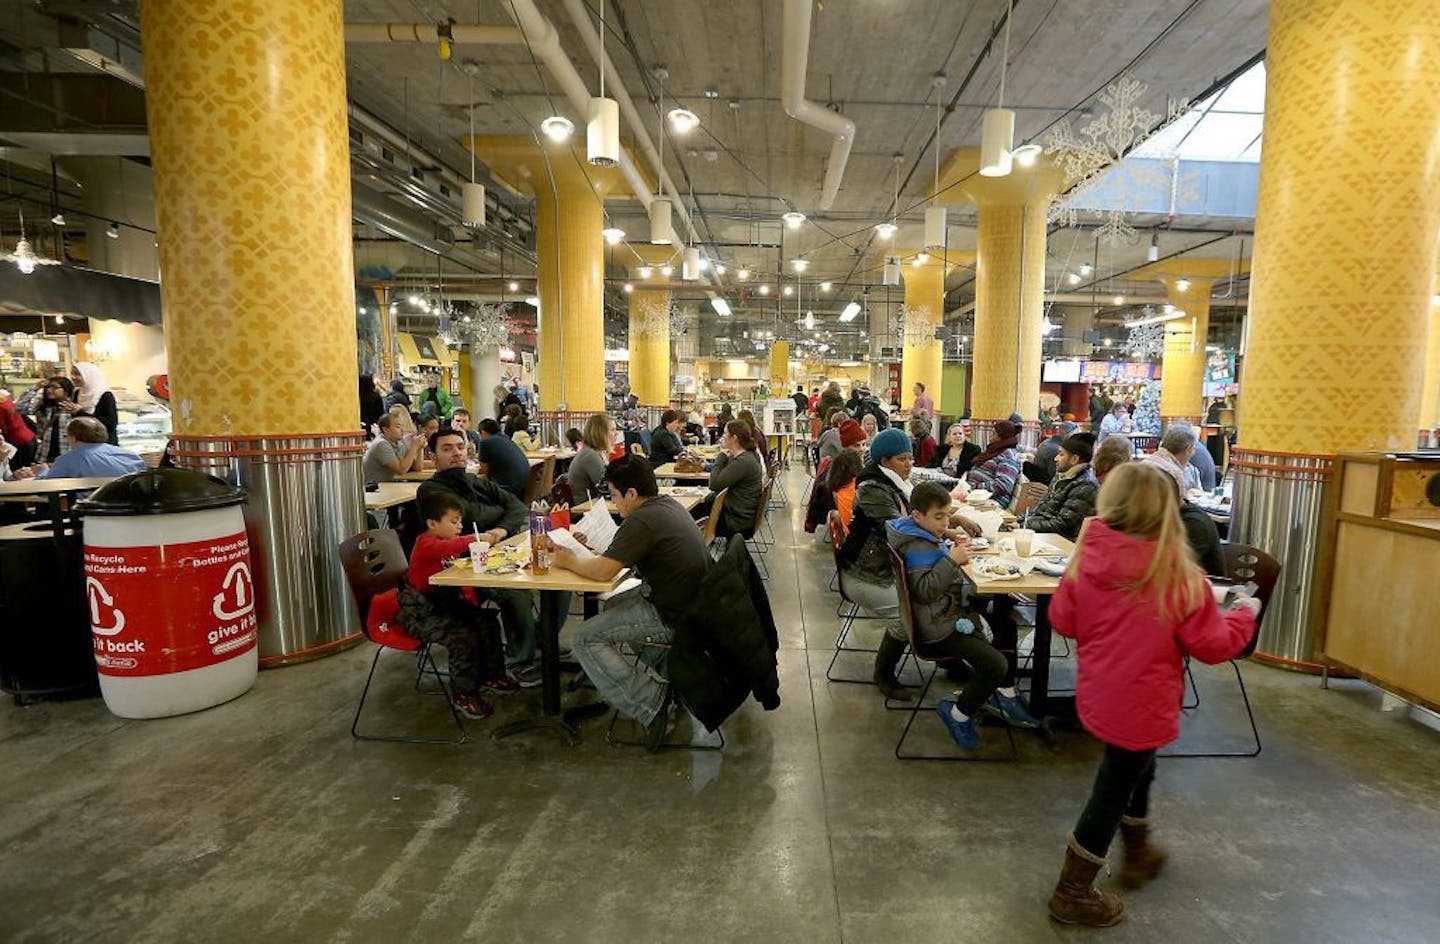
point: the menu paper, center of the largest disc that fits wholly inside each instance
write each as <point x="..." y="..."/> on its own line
<point x="597" y="527"/>
<point x="563" y="538"/>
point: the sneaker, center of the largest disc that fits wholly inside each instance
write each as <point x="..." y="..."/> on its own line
<point x="965" y="733"/>
<point x="472" y="706"/>
<point x="1012" y="711"/>
<point x="502" y="685"/>
<point x="527" y="676"/>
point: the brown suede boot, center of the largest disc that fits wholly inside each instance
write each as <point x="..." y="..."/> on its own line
<point x="1143" y="861"/>
<point x="1076" y="899"/>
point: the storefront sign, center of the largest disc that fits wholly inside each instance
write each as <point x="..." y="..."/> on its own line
<point x="1115" y="371"/>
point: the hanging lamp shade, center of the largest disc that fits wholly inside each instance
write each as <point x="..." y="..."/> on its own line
<point x="891" y="275"/>
<point x="997" y="136"/>
<point x="690" y="265"/>
<point x="472" y="197"/>
<point x="935" y="227"/>
<point x="661" y="230"/>
<point x="602" y="132"/>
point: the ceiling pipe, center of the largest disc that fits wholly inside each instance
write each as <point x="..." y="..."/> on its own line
<point x="795" y="60"/>
<point x="431" y="33"/>
<point x="399" y="221"/>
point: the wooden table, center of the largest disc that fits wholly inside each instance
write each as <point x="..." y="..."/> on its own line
<point x="53" y="492"/>
<point x="391" y="494"/>
<point x="1041" y="587"/>
<point x="685" y="501"/>
<point x="421" y="475"/>
<point x="667" y="471"/>
<point x="550" y="586"/>
<point x="562" y="455"/>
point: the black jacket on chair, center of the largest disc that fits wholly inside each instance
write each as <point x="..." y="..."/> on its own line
<point x="725" y="642"/>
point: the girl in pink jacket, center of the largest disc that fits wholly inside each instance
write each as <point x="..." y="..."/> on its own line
<point x="1136" y="603"/>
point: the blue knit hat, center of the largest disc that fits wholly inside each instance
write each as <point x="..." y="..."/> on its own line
<point x="890" y="442"/>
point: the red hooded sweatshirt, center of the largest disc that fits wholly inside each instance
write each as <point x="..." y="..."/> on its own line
<point x="1130" y="682"/>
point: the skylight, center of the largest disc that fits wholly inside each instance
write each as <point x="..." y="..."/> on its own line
<point x="1226" y="126"/>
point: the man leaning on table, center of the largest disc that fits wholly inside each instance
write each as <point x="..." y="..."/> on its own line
<point x="660" y="541"/>
<point x="388" y="457"/>
<point x="90" y="455"/>
<point x="491" y="514"/>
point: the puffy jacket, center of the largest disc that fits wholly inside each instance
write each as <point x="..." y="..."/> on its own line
<point x="998" y="476"/>
<point x="931" y="574"/>
<point x="1130" y="661"/>
<point x="1067" y="504"/>
<point x="865" y="553"/>
<point x="725" y="641"/>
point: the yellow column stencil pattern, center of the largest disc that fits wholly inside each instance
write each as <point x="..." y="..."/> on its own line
<point x="1182" y="389"/>
<point x="251" y="154"/>
<point x="650" y="347"/>
<point x="922" y="357"/>
<point x="572" y="277"/>
<point x="779" y="370"/>
<point x="1009" y="308"/>
<point x="1430" y="392"/>
<point x="1346" y="227"/>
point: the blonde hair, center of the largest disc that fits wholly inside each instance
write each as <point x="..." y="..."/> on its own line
<point x="1140" y="501"/>
<point x="597" y="433"/>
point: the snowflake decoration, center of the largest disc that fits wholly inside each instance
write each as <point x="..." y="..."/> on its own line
<point x="487" y="328"/>
<point x="1146" y="342"/>
<point x="916" y="328"/>
<point x="1096" y="152"/>
<point x="682" y="320"/>
<point x="656" y="318"/>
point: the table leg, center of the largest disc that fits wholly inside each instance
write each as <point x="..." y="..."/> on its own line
<point x="551" y="716"/>
<point x="1040" y="659"/>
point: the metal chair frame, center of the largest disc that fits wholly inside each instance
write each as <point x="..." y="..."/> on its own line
<point x="614" y="741"/>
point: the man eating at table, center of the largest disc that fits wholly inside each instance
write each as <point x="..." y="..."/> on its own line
<point x="660" y="541"/>
<point x="492" y="515"/>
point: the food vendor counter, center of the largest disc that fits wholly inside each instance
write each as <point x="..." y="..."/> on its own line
<point x="1383" y="617"/>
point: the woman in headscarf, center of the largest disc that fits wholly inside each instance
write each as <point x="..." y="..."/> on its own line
<point x="997" y="467"/>
<point x="94" y="398"/>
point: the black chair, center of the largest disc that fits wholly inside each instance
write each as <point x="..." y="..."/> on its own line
<point x="615" y="741"/>
<point x="907" y="619"/>
<point x="374" y="563"/>
<point x="849" y="610"/>
<point x="1246" y="564"/>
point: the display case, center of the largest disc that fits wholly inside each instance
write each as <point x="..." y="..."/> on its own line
<point x="1382" y="618"/>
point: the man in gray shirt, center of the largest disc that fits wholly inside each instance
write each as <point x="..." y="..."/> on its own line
<point x="387" y="457"/>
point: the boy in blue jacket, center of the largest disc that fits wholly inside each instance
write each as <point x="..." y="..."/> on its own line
<point x="933" y="574"/>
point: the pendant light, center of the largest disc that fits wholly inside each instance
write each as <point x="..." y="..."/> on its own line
<point x="997" y="130"/>
<point x="935" y="213"/>
<point x="690" y="264"/>
<point x="662" y="231"/>
<point x="1152" y="252"/>
<point x="602" y="118"/>
<point x="891" y="274"/>
<point x="472" y="194"/>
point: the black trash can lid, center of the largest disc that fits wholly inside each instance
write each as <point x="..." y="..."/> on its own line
<point x="161" y="492"/>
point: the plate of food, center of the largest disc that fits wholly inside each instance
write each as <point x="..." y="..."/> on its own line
<point x="977" y="496"/>
<point x="1002" y="568"/>
<point x="977" y="544"/>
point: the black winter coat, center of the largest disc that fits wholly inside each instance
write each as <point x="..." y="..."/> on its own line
<point x="725" y="642"/>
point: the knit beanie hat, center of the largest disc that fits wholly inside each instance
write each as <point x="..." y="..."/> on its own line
<point x="890" y="442"/>
<point x="851" y="434"/>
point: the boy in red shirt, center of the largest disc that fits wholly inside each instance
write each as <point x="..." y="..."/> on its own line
<point x="452" y="616"/>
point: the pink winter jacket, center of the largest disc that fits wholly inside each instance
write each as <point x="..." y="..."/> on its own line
<point x="1129" y="687"/>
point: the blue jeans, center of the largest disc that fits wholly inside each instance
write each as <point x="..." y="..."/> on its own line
<point x="635" y="689"/>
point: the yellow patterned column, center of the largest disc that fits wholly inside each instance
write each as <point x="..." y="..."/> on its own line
<point x="1345" y="245"/>
<point x="1182" y="389"/>
<point x="251" y="156"/>
<point x="650" y="346"/>
<point x="1009" y="311"/>
<point x="1346" y="224"/>
<point x="779" y="369"/>
<point x="571" y="282"/>
<point x="922" y="355"/>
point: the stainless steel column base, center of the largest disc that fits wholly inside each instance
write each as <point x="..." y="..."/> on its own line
<point x="306" y="496"/>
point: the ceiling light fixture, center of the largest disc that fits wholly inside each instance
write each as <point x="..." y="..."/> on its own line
<point x="602" y="118"/>
<point x="24" y="257"/>
<point x="721" y="306"/>
<point x="1026" y="154"/>
<point x="533" y="301"/>
<point x="557" y="128"/>
<point x="628" y="287"/>
<point x="743" y="274"/>
<point x="793" y="219"/>
<point x="662" y="231"/>
<point x="824" y="286"/>
<point x="114" y="231"/>
<point x="612" y="234"/>
<point x="885" y="230"/>
<point x="719" y="268"/>
<point x="1118" y="299"/>
<point x="690" y="264"/>
<point x="58" y="219"/>
<point x="764" y="290"/>
<point x="1073" y="278"/>
<point x="1086" y="268"/>
<point x="644" y="272"/>
<point x="849" y="312"/>
<point x="891" y="273"/>
<point x="809" y="321"/>
<point x="935" y="213"/>
<point x="472" y="193"/>
<point x="1182" y="285"/>
<point x="667" y="270"/>
<point x="997" y="129"/>
<point x="800" y="265"/>
<point x="514" y="286"/>
<point x="787" y="291"/>
<point x="683" y="120"/>
<point x="1152" y="252"/>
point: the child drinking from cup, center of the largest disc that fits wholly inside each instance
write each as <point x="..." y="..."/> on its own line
<point x="452" y="616"/>
<point x="1136" y="603"/>
<point x="932" y="573"/>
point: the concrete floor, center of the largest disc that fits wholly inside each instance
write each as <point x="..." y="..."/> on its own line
<point x="263" y="820"/>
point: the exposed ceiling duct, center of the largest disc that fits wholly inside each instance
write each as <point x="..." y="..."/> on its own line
<point x="454" y="33"/>
<point x="413" y="226"/>
<point x="795" y="61"/>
